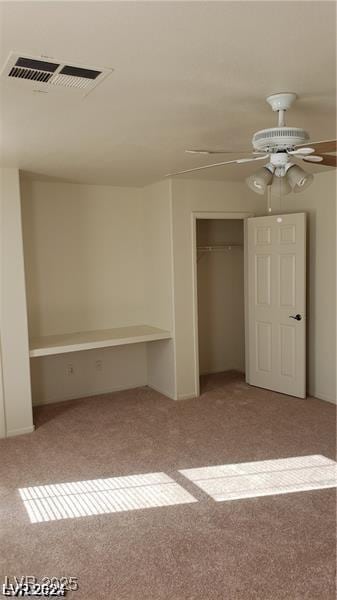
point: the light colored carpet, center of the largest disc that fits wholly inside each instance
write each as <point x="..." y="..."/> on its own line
<point x="263" y="548"/>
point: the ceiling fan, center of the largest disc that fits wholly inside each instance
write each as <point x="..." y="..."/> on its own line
<point x="279" y="146"/>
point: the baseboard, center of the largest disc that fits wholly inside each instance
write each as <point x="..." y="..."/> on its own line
<point x="324" y="397"/>
<point x="168" y="395"/>
<point x="177" y="398"/>
<point x="187" y="396"/>
<point x="161" y="391"/>
<point x="22" y="431"/>
<point x="98" y="393"/>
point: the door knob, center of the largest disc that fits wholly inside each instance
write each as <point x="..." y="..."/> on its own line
<point x="296" y="317"/>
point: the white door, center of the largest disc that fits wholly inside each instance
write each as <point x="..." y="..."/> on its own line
<point x="275" y="303"/>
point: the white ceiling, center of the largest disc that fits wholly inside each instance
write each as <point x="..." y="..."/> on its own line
<point x="187" y="74"/>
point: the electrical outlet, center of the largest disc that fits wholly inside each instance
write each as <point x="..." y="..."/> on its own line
<point x="70" y="369"/>
<point x="99" y="365"/>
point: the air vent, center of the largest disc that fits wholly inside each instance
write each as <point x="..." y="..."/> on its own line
<point x="38" y="75"/>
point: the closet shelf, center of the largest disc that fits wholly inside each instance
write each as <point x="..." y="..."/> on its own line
<point x="102" y="338"/>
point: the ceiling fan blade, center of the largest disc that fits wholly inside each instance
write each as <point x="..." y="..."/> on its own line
<point x="328" y="160"/>
<point x="197" y="151"/>
<point x="301" y="151"/>
<point x="312" y="159"/>
<point x="324" y="146"/>
<point x="228" y="162"/>
<point x="246" y="160"/>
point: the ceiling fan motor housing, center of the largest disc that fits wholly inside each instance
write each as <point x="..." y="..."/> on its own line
<point x="279" y="138"/>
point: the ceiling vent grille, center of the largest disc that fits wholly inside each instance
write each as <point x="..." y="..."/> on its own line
<point x="29" y="74"/>
<point x="69" y="81"/>
<point x="43" y="75"/>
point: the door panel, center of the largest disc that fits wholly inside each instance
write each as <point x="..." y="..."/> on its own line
<point x="287" y="286"/>
<point x="287" y="234"/>
<point x="288" y="346"/>
<point x="262" y="275"/>
<point x="275" y="289"/>
<point x="263" y="346"/>
<point x="262" y="235"/>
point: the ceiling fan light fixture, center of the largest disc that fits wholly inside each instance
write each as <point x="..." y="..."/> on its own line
<point x="259" y="181"/>
<point x="298" y="178"/>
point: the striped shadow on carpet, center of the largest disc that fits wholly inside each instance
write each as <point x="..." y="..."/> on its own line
<point x="264" y="478"/>
<point x="100" y="496"/>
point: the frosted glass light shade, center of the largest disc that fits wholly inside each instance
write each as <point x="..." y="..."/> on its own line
<point x="258" y="181"/>
<point x="299" y="179"/>
<point x="280" y="186"/>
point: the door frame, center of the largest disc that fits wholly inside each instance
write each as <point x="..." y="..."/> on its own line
<point x="208" y="215"/>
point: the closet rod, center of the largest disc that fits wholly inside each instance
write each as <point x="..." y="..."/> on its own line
<point x="219" y="247"/>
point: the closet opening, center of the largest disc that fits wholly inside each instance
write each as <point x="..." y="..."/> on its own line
<point x="220" y="301"/>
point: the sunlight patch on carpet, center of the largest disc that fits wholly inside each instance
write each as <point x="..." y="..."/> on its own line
<point x="100" y="496"/>
<point x="264" y="478"/>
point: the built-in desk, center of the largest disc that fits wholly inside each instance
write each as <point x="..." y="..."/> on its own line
<point x="102" y="338"/>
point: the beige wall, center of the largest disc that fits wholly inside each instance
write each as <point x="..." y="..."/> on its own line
<point x="190" y="196"/>
<point x="2" y="405"/>
<point x="157" y="266"/>
<point x="93" y="372"/>
<point x="159" y="293"/>
<point x="220" y="275"/>
<point x="319" y="202"/>
<point x="98" y="257"/>
<point x="83" y="256"/>
<point x="84" y="262"/>
<point x="2" y="397"/>
<point x="15" y="378"/>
